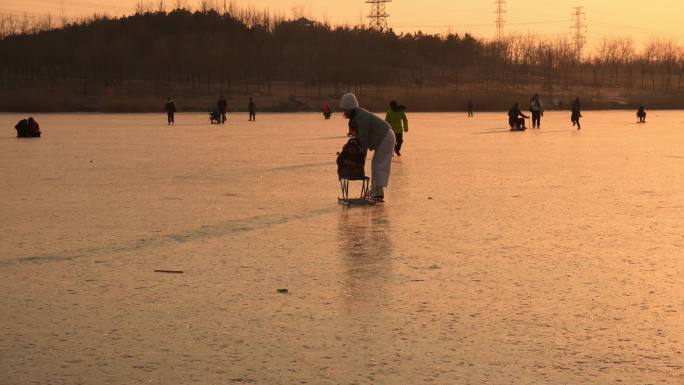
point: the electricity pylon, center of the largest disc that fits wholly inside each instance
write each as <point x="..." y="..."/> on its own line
<point x="378" y="16"/>
<point x="579" y="27"/>
<point x="500" y="18"/>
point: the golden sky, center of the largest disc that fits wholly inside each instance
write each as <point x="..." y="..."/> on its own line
<point x="638" y="19"/>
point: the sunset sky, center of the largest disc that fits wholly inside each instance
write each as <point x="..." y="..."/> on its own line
<point x="638" y="19"/>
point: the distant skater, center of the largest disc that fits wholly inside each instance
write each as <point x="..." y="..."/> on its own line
<point x="471" y="108"/>
<point x="516" y="119"/>
<point x="576" y="113"/>
<point x="327" y="112"/>
<point x="396" y="117"/>
<point x="252" y="110"/>
<point x="374" y="134"/>
<point x="170" y="109"/>
<point x="222" y="107"/>
<point x="537" y="111"/>
<point x="641" y="114"/>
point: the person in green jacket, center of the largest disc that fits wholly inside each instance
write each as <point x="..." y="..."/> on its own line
<point x="396" y="117"/>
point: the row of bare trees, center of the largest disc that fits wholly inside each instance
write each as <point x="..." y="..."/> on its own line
<point x="529" y="61"/>
<point x="246" y="50"/>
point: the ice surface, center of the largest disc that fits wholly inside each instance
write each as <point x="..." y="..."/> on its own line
<point x="550" y="256"/>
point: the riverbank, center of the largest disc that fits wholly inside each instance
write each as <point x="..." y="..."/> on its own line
<point x="142" y="97"/>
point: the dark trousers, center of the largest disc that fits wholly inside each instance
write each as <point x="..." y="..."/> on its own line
<point x="223" y="117"/>
<point x="252" y="115"/>
<point x="171" y="117"/>
<point x="536" y="119"/>
<point x="400" y="141"/>
<point x="575" y="119"/>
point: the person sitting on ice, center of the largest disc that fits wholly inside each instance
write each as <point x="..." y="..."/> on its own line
<point x="28" y="128"/>
<point x="373" y="134"/>
<point x="33" y="127"/>
<point x="516" y="119"/>
<point x="351" y="162"/>
<point x="215" y="117"/>
<point x="641" y="114"/>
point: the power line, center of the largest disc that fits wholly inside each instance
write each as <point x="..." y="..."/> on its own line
<point x="478" y="25"/>
<point x="500" y="18"/>
<point x="378" y="16"/>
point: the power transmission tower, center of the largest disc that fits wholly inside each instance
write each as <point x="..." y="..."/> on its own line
<point x="378" y="16"/>
<point x="500" y="18"/>
<point x="580" y="28"/>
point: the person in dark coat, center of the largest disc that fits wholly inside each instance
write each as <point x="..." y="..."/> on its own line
<point x="22" y="129"/>
<point x="641" y="114"/>
<point x="28" y="128"/>
<point x="222" y="107"/>
<point x="516" y="119"/>
<point x="33" y="128"/>
<point x="252" y="110"/>
<point x="170" y="109"/>
<point x="576" y="113"/>
<point x="471" y="108"/>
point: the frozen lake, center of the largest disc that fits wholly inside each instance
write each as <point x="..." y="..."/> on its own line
<point x="544" y="257"/>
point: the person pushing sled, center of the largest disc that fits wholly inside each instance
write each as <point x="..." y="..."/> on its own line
<point x="368" y="132"/>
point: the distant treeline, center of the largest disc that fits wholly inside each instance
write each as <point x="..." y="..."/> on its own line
<point x="241" y="50"/>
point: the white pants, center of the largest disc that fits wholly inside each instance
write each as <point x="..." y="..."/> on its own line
<point x="382" y="162"/>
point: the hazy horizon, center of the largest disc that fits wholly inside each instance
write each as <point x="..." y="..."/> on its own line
<point x="552" y="17"/>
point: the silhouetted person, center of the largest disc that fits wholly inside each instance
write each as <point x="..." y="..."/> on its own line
<point x="222" y="107"/>
<point x="516" y="119"/>
<point x="27" y="128"/>
<point x="576" y="113"/>
<point x="471" y="108"/>
<point x="170" y="109"/>
<point x="252" y="110"/>
<point x="396" y="117"/>
<point x="327" y="112"/>
<point x="537" y="111"/>
<point x="33" y="127"/>
<point x="641" y="114"/>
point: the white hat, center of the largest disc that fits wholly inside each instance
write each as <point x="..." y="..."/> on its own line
<point x="349" y="102"/>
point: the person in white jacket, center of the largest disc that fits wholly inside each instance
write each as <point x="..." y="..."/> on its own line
<point x="537" y="110"/>
<point x="374" y="134"/>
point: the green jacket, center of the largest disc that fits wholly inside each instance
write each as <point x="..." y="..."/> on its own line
<point x="397" y="120"/>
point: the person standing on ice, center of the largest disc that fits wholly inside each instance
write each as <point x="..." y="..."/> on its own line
<point x="374" y="134"/>
<point x="396" y="117"/>
<point x="170" y="109"/>
<point x="576" y="113"/>
<point x="252" y="110"/>
<point x="537" y="110"/>
<point x="641" y="114"/>
<point x="222" y="106"/>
